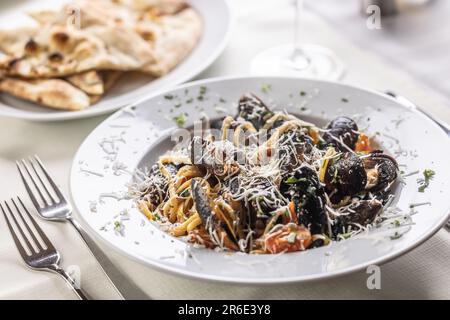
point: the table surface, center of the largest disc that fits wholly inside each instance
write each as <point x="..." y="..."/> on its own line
<point x="422" y="273"/>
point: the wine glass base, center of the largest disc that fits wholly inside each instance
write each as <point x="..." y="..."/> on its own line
<point x="308" y="61"/>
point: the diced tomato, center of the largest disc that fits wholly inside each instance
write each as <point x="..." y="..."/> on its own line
<point x="292" y="213"/>
<point x="289" y="238"/>
<point x="363" y="144"/>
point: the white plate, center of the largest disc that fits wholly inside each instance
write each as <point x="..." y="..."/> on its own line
<point x="216" y="18"/>
<point x="135" y="137"/>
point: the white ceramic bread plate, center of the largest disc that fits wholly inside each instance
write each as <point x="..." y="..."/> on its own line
<point x="134" y="138"/>
<point x="216" y="19"/>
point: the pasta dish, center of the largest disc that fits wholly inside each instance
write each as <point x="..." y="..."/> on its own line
<point x="265" y="181"/>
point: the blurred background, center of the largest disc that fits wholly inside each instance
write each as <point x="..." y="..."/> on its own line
<point x="414" y="34"/>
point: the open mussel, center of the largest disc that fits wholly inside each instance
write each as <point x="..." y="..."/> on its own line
<point x="219" y="223"/>
<point x="381" y="169"/>
<point x="153" y="190"/>
<point x="292" y="147"/>
<point x="218" y="158"/>
<point x="350" y="174"/>
<point x="359" y="213"/>
<point x="253" y="110"/>
<point x="342" y="130"/>
<point x="345" y="176"/>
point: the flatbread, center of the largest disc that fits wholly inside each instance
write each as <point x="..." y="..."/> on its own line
<point x="70" y="64"/>
<point x="174" y="38"/>
<point x="16" y="41"/>
<point x="91" y="13"/>
<point x="90" y="82"/>
<point x="45" y="16"/>
<point x="110" y="12"/>
<point x="159" y="7"/>
<point x="167" y="25"/>
<point x="109" y="80"/>
<point x="60" y="51"/>
<point x="53" y="93"/>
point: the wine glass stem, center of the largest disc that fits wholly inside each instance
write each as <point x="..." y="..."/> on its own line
<point x="298" y="58"/>
<point x="297" y="26"/>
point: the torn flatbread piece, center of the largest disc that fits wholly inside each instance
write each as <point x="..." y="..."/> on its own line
<point x="92" y="13"/>
<point x="173" y="37"/>
<point x="110" y="12"/>
<point x="46" y="16"/>
<point x="53" y="93"/>
<point x="90" y="82"/>
<point x="109" y="80"/>
<point x="59" y="51"/>
<point x="159" y="7"/>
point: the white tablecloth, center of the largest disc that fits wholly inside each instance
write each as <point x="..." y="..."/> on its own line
<point x="422" y="273"/>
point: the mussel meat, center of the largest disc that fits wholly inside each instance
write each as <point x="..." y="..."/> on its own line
<point x="381" y="169"/>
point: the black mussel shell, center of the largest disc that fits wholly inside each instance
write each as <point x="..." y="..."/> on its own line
<point x="253" y="109"/>
<point x="345" y="128"/>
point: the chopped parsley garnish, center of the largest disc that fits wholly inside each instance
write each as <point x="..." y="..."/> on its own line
<point x="168" y="96"/>
<point x="190" y="100"/>
<point x="292" y="180"/>
<point x="222" y="100"/>
<point x="344" y="100"/>
<point x="119" y="227"/>
<point x="302" y="93"/>
<point x="203" y="90"/>
<point x="185" y="193"/>
<point x="428" y="173"/>
<point x="180" y="120"/>
<point x="266" y="87"/>
<point x="178" y="105"/>
<point x="424" y="182"/>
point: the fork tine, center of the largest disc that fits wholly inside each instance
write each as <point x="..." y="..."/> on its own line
<point x="41" y="180"/>
<point x="19" y="245"/>
<point x="27" y="187"/>
<point x="24" y="165"/>
<point x="44" y="238"/>
<point x="50" y="180"/>
<point x="36" y="241"/>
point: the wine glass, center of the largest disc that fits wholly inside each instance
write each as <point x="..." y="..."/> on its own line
<point x="298" y="59"/>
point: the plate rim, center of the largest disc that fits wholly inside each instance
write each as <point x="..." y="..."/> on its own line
<point x="75" y="115"/>
<point x="266" y="281"/>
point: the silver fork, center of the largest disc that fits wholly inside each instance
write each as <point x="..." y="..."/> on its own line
<point x="55" y="207"/>
<point x="38" y="256"/>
